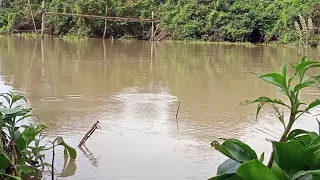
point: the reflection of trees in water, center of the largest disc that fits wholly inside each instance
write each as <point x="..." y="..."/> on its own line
<point x="207" y="74"/>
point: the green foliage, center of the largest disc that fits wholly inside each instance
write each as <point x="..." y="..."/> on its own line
<point x="219" y="20"/>
<point x="21" y="152"/>
<point x="296" y="154"/>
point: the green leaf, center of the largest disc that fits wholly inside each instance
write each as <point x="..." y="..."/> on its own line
<point x="264" y="99"/>
<point x="301" y="174"/>
<point x="255" y="170"/>
<point x="310" y="155"/>
<point x="71" y="151"/>
<point x="286" y="154"/>
<point x="299" y="132"/>
<point x="278" y="171"/>
<point x="262" y="157"/>
<point x="10" y="111"/>
<point x="29" y="135"/>
<point x="229" y="166"/>
<point x="306" y="83"/>
<point x="303" y="59"/>
<point x="285" y="71"/>
<point x="312" y="105"/>
<point x="275" y="79"/>
<point x="4" y="162"/>
<point x="302" y="67"/>
<point x="235" y="150"/>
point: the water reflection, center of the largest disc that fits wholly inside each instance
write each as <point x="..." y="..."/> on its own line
<point x="86" y="152"/>
<point x="133" y="89"/>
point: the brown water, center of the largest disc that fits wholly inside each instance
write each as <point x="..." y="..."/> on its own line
<point x="133" y="90"/>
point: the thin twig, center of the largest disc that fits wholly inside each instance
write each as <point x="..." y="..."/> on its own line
<point x="89" y="133"/>
<point x="177" y="115"/>
<point x="318" y="124"/>
<point x="52" y="163"/>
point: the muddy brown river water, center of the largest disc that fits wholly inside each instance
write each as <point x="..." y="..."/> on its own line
<point x="133" y="89"/>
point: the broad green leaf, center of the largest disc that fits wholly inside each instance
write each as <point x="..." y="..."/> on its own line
<point x="4" y="162"/>
<point x="255" y="170"/>
<point x="286" y="154"/>
<point x="221" y="149"/>
<point x="310" y="155"/>
<point x="29" y="135"/>
<point x="4" y="159"/>
<point x="10" y="111"/>
<point x="278" y="171"/>
<point x="229" y="166"/>
<point x="71" y="151"/>
<point x="312" y="105"/>
<point x="299" y="132"/>
<point x="301" y="174"/>
<point x="275" y="79"/>
<point x="304" y="139"/>
<point x="245" y="148"/>
<point x="235" y="150"/>
<point x="302" y="67"/>
<point x="306" y="83"/>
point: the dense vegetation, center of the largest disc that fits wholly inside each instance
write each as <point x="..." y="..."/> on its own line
<point x="214" y="20"/>
<point x="21" y="142"/>
<point x="296" y="155"/>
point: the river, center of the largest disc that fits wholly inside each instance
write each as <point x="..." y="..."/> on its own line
<point x="133" y="89"/>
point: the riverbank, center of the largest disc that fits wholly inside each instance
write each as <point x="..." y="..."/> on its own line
<point x="75" y="38"/>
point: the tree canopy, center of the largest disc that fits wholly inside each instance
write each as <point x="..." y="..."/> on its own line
<point x="212" y="20"/>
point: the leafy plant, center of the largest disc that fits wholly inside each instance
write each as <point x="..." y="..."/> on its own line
<point x="296" y="154"/>
<point x="21" y="152"/>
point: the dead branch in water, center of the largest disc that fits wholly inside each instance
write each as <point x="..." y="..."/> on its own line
<point x="89" y="133"/>
<point x="177" y="115"/>
<point x="177" y="111"/>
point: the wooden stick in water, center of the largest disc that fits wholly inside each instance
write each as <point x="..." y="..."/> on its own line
<point x="177" y="116"/>
<point x="89" y="133"/>
<point x="177" y="111"/>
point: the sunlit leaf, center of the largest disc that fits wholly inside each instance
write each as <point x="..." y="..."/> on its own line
<point x="275" y="79"/>
<point x="301" y="68"/>
<point x="312" y="105"/>
<point x="306" y="83"/>
<point x="255" y="170"/>
<point x="235" y="149"/>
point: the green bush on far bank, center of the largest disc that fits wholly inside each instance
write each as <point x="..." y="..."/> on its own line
<point x="207" y="20"/>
